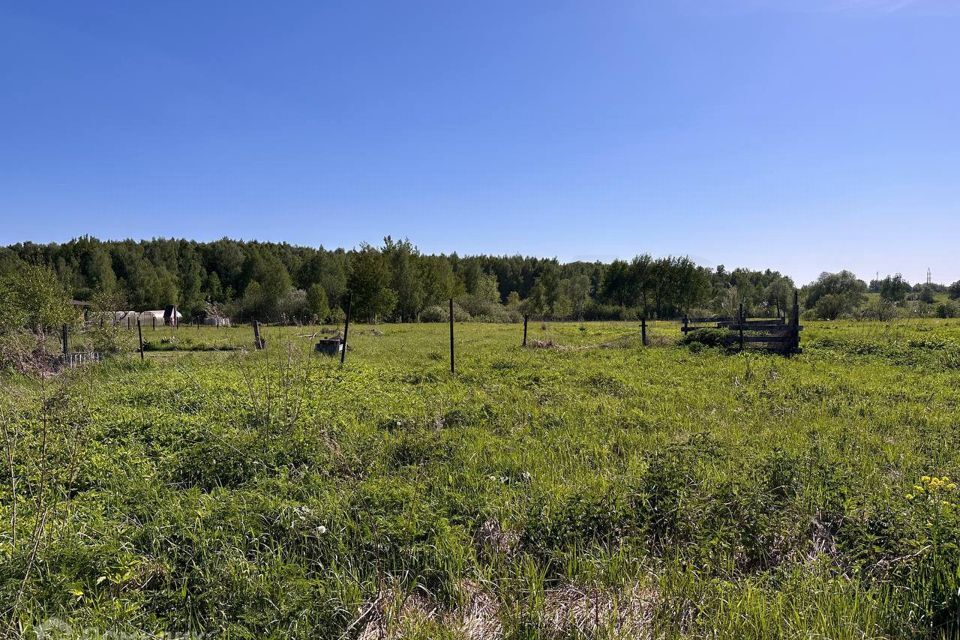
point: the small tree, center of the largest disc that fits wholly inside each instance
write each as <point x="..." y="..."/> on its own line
<point x="894" y="288"/>
<point x="848" y="293"/>
<point x="370" y="283"/>
<point x="33" y="299"/>
<point x="954" y="290"/>
<point x="317" y="302"/>
<point x="106" y="336"/>
<point x="831" y="306"/>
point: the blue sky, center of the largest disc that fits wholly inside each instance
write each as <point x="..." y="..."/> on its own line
<point x="801" y="136"/>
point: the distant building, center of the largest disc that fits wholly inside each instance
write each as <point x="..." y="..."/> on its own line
<point x="160" y="316"/>
<point x="216" y="321"/>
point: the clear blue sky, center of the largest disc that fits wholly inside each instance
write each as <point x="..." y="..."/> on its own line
<point x="800" y="135"/>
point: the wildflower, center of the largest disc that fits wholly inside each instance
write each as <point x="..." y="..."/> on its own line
<point x="321" y="530"/>
<point x="909" y="496"/>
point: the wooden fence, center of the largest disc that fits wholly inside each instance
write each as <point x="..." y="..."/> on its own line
<point x="770" y="334"/>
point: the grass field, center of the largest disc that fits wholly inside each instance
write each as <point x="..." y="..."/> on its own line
<point x="590" y="489"/>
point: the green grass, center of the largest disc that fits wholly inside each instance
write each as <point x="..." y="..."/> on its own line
<point x="590" y="489"/>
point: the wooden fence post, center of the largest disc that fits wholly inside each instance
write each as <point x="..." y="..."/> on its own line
<point x="643" y="332"/>
<point x="453" y="368"/>
<point x="140" y="337"/>
<point x="257" y="342"/>
<point x="795" y="321"/>
<point x="525" y="319"/>
<point x="346" y="330"/>
<point x="741" y="326"/>
<point x="154" y="318"/>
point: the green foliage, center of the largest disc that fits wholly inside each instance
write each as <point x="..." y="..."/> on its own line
<point x="33" y="299"/>
<point x="954" y="290"/>
<point x="708" y="337"/>
<point x="317" y="302"/>
<point x="834" y="295"/>
<point x="369" y="282"/>
<point x="894" y="288"/>
<point x="948" y="310"/>
<point x="393" y="282"/>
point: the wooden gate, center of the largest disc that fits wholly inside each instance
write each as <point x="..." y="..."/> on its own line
<point x="770" y="334"/>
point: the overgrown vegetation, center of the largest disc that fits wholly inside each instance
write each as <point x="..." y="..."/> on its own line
<point x="595" y="489"/>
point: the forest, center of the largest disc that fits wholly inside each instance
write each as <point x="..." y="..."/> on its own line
<point x="395" y="282"/>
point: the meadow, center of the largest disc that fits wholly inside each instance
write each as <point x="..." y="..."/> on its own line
<point x="588" y="487"/>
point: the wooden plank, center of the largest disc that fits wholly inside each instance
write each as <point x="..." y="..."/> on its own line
<point x="751" y="323"/>
<point x="786" y="338"/>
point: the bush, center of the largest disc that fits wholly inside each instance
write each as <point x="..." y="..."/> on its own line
<point x="880" y="309"/>
<point x="708" y="338"/>
<point x="482" y="309"/>
<point x="831" y="307"/>
<point x="947" y="310"/>
<point x="438" y="313"/>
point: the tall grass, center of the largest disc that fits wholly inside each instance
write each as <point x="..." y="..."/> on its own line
<point x="591" y="489"/>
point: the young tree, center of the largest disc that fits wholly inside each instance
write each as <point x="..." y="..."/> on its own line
<point x="317" y="302"/>
<point x="777" y="294"/>
<point x="33" y="299"/>
<point x="576" y="290"/>
<point x="847" y="294"/>
<point x="405" y="280"/>
<point x="439" y="280"/>
<point x="369" y="282"/>
<point x="253" y="304"/>
<point x="487" y="288"/>
<point x="894" y="288"/>
<point x="616" y="284"/>
<point x="640" y="283"/>
<point x="954" y="290"/>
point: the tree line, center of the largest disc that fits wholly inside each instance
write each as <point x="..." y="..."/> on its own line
<point x="280" y="282"/>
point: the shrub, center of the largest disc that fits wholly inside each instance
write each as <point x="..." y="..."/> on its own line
<point x="700" y="338"/>
<point x="438" y="313"/>
<point x="482" y="309"/>
<point x="947" y="310"/>
<point x="880" y="309"/>
<point x="831" y="306"/>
